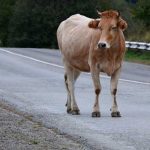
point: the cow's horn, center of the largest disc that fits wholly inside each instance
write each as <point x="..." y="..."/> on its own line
<point x="99" y="12"/>
<point x="118" y="13"/>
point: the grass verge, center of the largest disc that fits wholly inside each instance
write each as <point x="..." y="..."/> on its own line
<point x="138" y="56"/>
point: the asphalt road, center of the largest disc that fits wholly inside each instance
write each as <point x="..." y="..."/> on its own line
<point x="32" y="80"/>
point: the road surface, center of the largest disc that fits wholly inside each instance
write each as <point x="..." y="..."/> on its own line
<point x="32" y="80"/>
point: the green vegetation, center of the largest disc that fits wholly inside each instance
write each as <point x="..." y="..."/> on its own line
<point x="34" y="142"/>
<point x="140" y="14"/>
<point x="6" y="10"/>
<point x="138" y="56"/>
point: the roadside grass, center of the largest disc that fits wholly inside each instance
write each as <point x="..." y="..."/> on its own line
<point x="138" y="56"/>
<point x="34" y="142"/>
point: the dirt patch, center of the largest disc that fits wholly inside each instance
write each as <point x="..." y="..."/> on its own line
<point x="20" y="132"/>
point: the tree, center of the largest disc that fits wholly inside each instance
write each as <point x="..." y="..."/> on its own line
<point x="34" y="23"/>
<point x="30" y="24"/>
<point x="6" y="8"/>
<point x="142" y="11"/>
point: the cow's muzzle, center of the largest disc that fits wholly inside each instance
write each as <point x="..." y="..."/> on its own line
<point x="101" y="45"/>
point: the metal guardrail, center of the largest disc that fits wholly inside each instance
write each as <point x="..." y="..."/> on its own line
<point x="138" y="45"/>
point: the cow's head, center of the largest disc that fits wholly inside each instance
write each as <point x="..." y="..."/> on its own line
<point x="110" y="24"/>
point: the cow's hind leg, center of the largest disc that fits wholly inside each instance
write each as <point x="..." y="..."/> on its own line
<point x="113" y="88"/>
<point x="68" y="103"/>
<point x="70" y="77"/>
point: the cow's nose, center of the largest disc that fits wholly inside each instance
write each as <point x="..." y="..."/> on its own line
<point x="101" y="45"/>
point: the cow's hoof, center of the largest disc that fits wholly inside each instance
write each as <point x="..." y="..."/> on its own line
<point x="96" y="114"/>
<point x="75" y="112"/>
<point x="69" y="111"/>
<point x="66" y="104"/>
<point x="116" y="114"/>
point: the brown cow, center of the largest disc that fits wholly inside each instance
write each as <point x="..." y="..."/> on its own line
<point x="92" y="45"/>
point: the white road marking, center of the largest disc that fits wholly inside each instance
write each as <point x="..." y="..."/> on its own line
<point x="31" y="58"/>
<point x="55" y="65"/>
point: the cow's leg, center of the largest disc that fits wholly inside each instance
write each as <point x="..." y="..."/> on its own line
<point x="71" y="102"/>
<point x="113" y="88"/>
<point x="68" y="103"/>
<point x="97" y="85"/>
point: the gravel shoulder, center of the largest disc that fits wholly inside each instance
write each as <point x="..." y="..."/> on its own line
<point x="19" y="132"/>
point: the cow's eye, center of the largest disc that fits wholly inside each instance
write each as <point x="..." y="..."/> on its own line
<point x="114" y="28"/>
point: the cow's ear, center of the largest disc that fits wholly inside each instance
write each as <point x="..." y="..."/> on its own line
<point x="122" y="24"/>
<point x="94" y="23"/>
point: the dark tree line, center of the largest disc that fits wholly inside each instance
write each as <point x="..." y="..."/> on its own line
<point x="33" y="23"/>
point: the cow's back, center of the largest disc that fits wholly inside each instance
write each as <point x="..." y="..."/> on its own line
<point x="74" y="39"/>
<point x="74" y="24"/>
<point x="72" y="30"/>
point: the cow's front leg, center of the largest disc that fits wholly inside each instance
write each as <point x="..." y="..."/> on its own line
<point x="113" y="88"/>
<point x="97" y="85"/>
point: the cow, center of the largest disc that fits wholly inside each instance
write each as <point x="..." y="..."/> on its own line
<point x="95" y="46"/>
